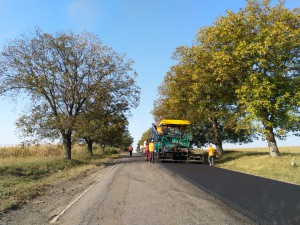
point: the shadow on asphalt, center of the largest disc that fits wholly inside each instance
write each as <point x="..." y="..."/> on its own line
<point x="265" y="201"/>
<point x="133" y="156"/>
<point x="136" y="157"/>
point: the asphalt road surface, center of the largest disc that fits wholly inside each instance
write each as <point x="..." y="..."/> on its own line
<point x="137" y="192"/>
<point x="265" y="201"/>
<point x="131" y="191"/>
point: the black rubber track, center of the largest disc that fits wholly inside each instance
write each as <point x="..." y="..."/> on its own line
<point x="265" y="201"/>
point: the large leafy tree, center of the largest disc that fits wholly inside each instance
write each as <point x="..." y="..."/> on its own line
<point x="124" y="140"/>
<point x="174" y="95"/>
<point x="113" y="132"/>
<point x="103" y="127"/>
<point x="215" y="79"/>
<point x="62" y="73"/>
<point x="104" y="120"/>
<point x="145" y="136"/>
<point x="263" y="43"/>
<point x="193" y="90"/>
<point x="243" y="73"/>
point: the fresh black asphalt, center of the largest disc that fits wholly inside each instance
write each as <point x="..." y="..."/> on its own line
<point x="265" y="201"/>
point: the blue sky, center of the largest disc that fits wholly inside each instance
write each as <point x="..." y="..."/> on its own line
<point x="147" y="31"/>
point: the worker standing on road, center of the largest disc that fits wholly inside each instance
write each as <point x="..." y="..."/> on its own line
<point x="130" y="150"/>
<point x="147" y="151"/>
<point x="151" y="151"/>
<point x="211" y="153"/>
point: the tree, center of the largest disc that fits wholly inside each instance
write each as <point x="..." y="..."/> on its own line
<point x="113" y="132"/>
<point x="264" y="44"/>
<point x="62" y="73"/>
<point x="145" y="136"/>
<point x="194" y="89"/>
<point x="244" y="74"/>
<point x="104" y="121"/>
<point x="125" y="140"/>
<point x="104" y="128"/>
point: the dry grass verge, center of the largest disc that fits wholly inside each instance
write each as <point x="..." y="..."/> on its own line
<point x="25" y="172"/>
<point x="257" y="161"/>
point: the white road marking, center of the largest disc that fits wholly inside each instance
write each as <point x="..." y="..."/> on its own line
<point x="68" y="206"/>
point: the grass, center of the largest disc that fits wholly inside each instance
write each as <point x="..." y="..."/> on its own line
<point x="257" y="161"/>
<point x="24" y="172"/>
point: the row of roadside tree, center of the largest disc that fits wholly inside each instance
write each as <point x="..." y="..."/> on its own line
<point x="240" y="79"/>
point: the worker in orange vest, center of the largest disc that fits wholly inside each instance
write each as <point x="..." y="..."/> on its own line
<point x="130" y="150"/>
<point x="147" y="152"/>
<point x="211" y="153"/>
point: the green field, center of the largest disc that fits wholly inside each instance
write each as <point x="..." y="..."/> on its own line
<point x="257" y="161"/>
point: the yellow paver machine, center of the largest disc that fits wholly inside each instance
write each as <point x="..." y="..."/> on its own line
<point x="173" y="141"/>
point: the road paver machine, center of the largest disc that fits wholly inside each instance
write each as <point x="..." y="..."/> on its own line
<point x="173" y="141"/>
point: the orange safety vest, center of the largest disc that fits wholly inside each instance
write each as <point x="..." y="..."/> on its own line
<point x="211" y="151"/>
<point x="130" y="148"/>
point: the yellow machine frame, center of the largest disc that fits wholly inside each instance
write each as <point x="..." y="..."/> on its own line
<point x="174" y="122"/>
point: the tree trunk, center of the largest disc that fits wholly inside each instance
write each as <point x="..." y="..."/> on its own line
<point x="90" y="147"/>
<point x="67" y="141"/>
<point x="274" y="151"/>
<point x="217" y="139"/>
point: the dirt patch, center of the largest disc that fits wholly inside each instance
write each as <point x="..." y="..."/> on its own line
<point x="56" y="196"/>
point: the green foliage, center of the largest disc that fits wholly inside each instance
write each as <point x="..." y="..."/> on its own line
<point x="239" y="79"/>
<point x="66" y="75"/>
<point x="269" y="92"/>
<point x="145" y="136"/>
<point x="104" y="126"/>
